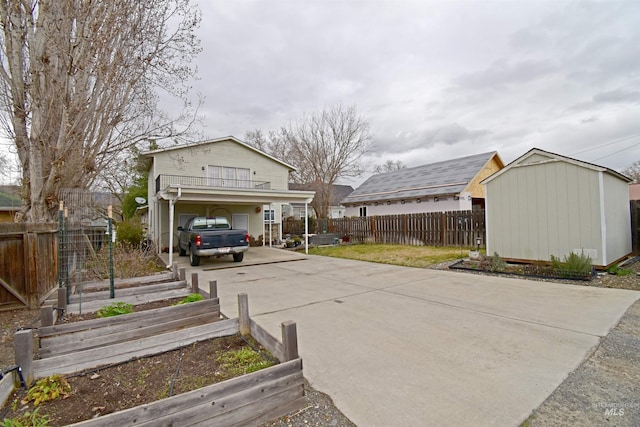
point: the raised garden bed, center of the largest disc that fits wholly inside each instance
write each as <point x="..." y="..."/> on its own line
<point x="525" y="270"/>
<point x="134" y="385"/>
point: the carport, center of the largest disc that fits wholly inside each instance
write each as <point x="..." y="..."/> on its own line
<point x="234" y="202"/>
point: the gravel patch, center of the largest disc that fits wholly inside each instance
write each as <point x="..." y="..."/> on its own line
<point x="605" y="389"/>
<point x="319" y="412"/>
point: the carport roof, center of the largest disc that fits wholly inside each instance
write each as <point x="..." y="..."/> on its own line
<point x="178" y="192"/>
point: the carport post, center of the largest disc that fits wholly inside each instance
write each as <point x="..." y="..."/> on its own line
<point x="306" y="228"/>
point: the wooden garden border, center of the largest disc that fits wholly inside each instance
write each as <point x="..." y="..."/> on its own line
<point x="247" y="400"/>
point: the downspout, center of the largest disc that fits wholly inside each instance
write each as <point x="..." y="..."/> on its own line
<point x="603" y="219"/>
<point x="171" y="215"/>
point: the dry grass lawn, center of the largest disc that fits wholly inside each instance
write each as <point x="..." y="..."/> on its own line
<point x="410" y="256"/>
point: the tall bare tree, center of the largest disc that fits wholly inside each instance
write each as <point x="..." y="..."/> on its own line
<point x="324" y="146"/>
<point x="633" y="171"/>
<point x="389" y="166"/>
<point x="78" y="85"/>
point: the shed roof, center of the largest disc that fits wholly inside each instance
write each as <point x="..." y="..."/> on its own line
<point x="213" y="141"/>
<point x="434" y="179"/>
<point x="553" y="157"/>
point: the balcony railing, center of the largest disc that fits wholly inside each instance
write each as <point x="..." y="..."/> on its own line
<point x="163" y="181"/>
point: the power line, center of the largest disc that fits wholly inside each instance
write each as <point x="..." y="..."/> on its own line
<point x="607" y="144"/>
<point x="619" y="151"/>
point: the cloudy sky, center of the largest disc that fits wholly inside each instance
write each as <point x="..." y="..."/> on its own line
<point x="435" y="79"/>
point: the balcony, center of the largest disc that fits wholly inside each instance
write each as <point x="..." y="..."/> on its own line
<point x="164" y="181"/>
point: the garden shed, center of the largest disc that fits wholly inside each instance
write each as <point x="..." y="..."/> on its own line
<point x="545" y="204"/>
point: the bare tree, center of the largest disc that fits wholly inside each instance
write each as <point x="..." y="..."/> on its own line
<point x="389" y="166"/>
<point x="633" y="171"/>
<point x="78" y="85"/>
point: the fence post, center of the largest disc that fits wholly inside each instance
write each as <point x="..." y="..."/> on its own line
<point x="243" y="314"/>
<point x="23" y="349"/>
<point x="62" y="299"/>
<point x="289" y="340"/>
<point x="213" y="289"/>
<point x="195" y="288"/>
<point x="46" y="316"/>
<point x="175" y="270"/>
<point x="60" y="246"/>
<point x="112" y="291"/>
<point x="183" y="274"/>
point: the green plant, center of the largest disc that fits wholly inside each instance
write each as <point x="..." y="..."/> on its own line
<point x="572" y="264"/>
<point x="190" y="298"/>
<point x="617" y="271"/>
<point x="46" y="389"/>
<point x="115" y="309"/>
<point x="242" y="361"/>
<point x="492" y="263"/>
<point x="28" y="419"/>
<point x="130" y="231"/>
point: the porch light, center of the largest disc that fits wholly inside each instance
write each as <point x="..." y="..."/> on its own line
<point x="478" y="241"/>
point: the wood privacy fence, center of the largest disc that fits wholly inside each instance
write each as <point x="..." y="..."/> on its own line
<point x="28" y="263"/>
<point x="635" y="226"/>
<point x="454" y="228"/>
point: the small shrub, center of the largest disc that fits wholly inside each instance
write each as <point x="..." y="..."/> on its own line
<point x="28" y="419"/>
<point x="131" y="232"/>
<point x="572" y="264"/>
<point x="128" y="261"/>
<point x="190" y="298"/>
<point x="493" y="263"/>
<point x="115" y="309"/>
<point x="46" y="389"/>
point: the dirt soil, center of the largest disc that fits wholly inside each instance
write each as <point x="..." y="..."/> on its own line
<point x="102" y="391"/>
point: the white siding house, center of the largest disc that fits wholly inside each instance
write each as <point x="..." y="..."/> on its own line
<point x="220" y="177"/>
<point x="545" y="204"/>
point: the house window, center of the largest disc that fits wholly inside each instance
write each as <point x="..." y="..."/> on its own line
<point x="222" y="176"/>
<point x="363" y="211"/>
<point x="269" y="215"/>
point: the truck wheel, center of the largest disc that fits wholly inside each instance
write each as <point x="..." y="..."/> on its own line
<point x="238" y="257"/>
<point x="193" y="258"/>
<point x="181" y="251"/>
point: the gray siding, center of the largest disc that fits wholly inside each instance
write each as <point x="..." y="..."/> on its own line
<point x="535" y="211"/>
<point x="618" y="218"/>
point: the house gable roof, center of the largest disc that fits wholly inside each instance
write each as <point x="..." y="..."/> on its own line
<point x="338" y="192"/>
<point x="536" y="156"/>
<point x="213" y="141"/>
<point x="434" y="179"/>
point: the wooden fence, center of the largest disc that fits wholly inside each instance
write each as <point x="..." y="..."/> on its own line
<point x="454" y="228"/>
<point x="28" y="263"/>
<point x="635" y="226"/>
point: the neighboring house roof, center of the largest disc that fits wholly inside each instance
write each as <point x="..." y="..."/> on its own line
<point x="9" y="199"/>
<point x="538" y="156"/>
<point x="634" y="191"/>
<point x="213" y="141"/>
<point x="338" y="192"/>
<point x="435" y="179"/>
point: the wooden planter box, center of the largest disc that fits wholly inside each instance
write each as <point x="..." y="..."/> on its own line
<point x="247" y="400"/>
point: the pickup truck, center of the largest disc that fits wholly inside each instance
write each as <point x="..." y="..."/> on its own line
<point x="202" y="237"/>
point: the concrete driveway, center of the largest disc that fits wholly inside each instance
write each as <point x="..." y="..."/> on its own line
<point x="413" y="347"/>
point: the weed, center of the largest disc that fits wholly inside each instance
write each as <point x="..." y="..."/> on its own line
<point x="115" y="309"/>
<point x="128" y="261"/>
<point x="617" y="271"/>
<point x="190" y="298"/>
<point x="46" y="389"/>
<point x="242" y="361"/>
<point x="28" y="419"/>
